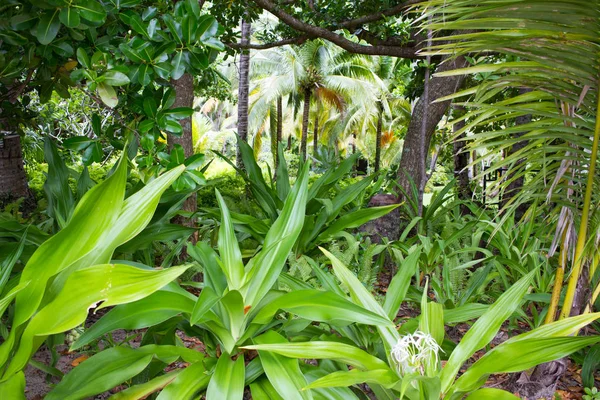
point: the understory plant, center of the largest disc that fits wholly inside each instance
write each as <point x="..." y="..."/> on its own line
<point x="238" y="306"/>
<point x="70" y="273"/>
<point x="330" y="208"/>
<point x="411" y="368"/>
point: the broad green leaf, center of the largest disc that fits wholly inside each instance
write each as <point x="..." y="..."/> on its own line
<point x="142" y="391"/>
<point x="7" y="265"/>
<point x="13" y="388"/>
<point x="23" y="21"/>
<point x="464" y="313"/>
<point x="229" y="249"/>
<point x="180" y="112"/>
<point x="484" y="330"/>
<point x="152" y="310"/>
<point x="361" y="296"/>
<point x="91" y="10"/>
<point x="187" y="384"/>
<point x="432" y="321"/>
<point x="233" y="305"/>
<point x="100" y="373"/>
<point x="115" y="78"/>
<point x="318" y="305"/>
<point x="108" y="95"/>
<point x="213" y="274"/>
<point x="8" y="298"/>
<point x="383" y="377"/>
<point x="69" y="17"/>
<point x="353" y="220"/>
<point x="227" y="381"/>
<point x="48" y="26"/>
<point x="283" y="373"/>
<point x="97" y="287"/>
<point x="262" y="389"/>
<point x="492" y="394"/>
<point x="520" y="356"/>
<point x="83" y="58"/>
<point x="207" y="299"/>
<point x="178" y="66"/>
<point x="96" y="212"/>
<point x="136" y="212"/>
<point x="266" y="266"/>
<point x="563" y="327"/>
<point x="345" y="353"/>
<point x="400" y="283"/>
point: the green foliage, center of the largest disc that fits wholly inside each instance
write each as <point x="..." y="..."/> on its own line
<point x="330" y="208"/>
<point x="61" y="276"/>
<point x="518" y="353"/>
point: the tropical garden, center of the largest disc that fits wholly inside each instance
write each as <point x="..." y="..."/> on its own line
<point x="274" y="199"/>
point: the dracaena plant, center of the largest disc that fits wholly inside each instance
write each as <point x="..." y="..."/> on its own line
<point x="238" y="306"/>
<point x="326" y="214"/>
<point x="69" y="273"/>
<point x="411" y="367"/>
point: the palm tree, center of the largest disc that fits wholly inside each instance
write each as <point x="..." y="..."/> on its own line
<point x="316" y="73"/>
<point x="548" y="68"/>
<point x="246" y="30"/>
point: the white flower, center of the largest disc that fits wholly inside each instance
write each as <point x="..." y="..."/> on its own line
<point x="414" y="353"/>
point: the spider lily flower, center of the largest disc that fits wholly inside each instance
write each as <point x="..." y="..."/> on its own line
<point x="416" y="353"/>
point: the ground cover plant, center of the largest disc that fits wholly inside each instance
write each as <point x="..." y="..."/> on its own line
<point x="307" y="200"/>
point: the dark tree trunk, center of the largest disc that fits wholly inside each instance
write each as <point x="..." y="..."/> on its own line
<point x="306" y="111"/>
<point x="353" y="142"/>
<point x="378" y="139"/>
<point x="184" y="97"/>
<point x="279" y="128"/>
<point x="515" y="186"/>
<point x="461" y="163"/>
<point x="416" y="145"/>
<point x="243" y="89"/>
<point x="316" y="136"/>
<point x="13" y="181"/>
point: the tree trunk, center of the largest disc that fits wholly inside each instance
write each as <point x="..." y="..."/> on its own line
<point x="13" y="181"/>
<point x="279" y="128"/>
<point x="353" y="142"/>
<point x="515" y="186"/>
<point x="461" y="163"/>
<point x="316" y="136"/>
<point x="243" y="89"/>
<point x="378" y="139"/>
<point x="416" y="145"/>
<point x="306" y="110"/>
<point x="184" y="97"/>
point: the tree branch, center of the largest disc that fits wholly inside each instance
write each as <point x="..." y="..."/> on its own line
<point x="297" y="40"/>
<point x="353" y="47"/>
<point x="355" y="23"/>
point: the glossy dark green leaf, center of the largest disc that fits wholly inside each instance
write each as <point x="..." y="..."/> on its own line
<point x="130" y="53"/>
<point x="23" y="21"/>
<point x="180" y="112"/>
<point x="150" y="107"/>
<point x="163" y="69"/>
<point x="91" y="10"/>
<point x="48" y="26"/>
<point x="69" y="17"/>
<point x="115" y="78"/>
<point x="178" y="66"/>
<point x="83" y="58"/>
<point x="77" y="143"/>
